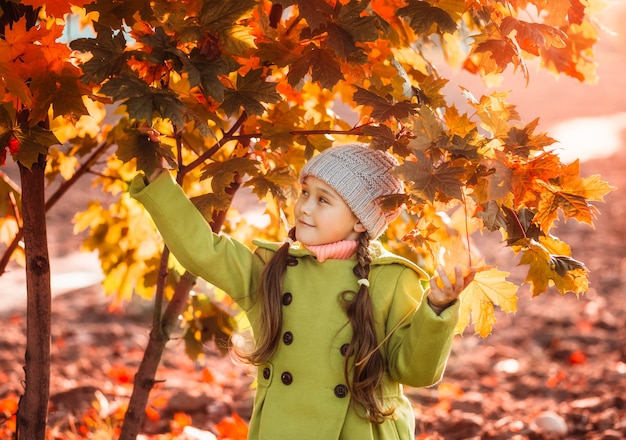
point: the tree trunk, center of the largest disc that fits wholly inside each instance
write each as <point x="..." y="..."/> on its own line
<point x="145" y="376"/>
<point x="33" y="406"/>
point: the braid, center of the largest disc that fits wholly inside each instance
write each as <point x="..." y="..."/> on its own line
<point x="369" y="367"/>
<point x="270" y="298"/>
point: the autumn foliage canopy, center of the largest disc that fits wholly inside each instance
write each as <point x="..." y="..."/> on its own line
<point x="239" y="94"/>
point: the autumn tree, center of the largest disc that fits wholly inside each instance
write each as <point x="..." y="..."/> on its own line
<point x="239" y="94"/>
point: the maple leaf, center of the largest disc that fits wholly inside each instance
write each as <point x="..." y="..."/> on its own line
<point x="218" y="15"/>
<point x="315" y="12"/>
<point x="6" y="125"/>
<point x="570" y="194"/>
<point x="458" y="123"/>
<point x="576" y="12"/>
<point x="533" y="36"/>
<point x="108" y="53"/>
<point x="467" y="146"/>
<point x="325" y="68"/>
<point x="211" y="204"/>
<point x="424" y="18"/>
<point x="117" y="14"/>
<point x="272" y="182"/>
<point x="382" y="138"/>
<point x="63" y="91"/>
<point x="546" y="268"/>
<point x="55" y="8"/>
<point x="429" y="182"/>
<point x="383" y="109"/>
<point x="522" y="141"/>
<point x="139" y="146"/>
<point x="33" y="141"/>
<point x="525" y="177"/>
<point x="251" y="92"/>
<point x="142" y="101"/>
<point x="489" y="288"/>
<point x="427" y="131"/>
<point x="361" y="27"/>
<point x="207" y="72"/>
<point x="233" y="428"/>
<point x="503" y="52"/>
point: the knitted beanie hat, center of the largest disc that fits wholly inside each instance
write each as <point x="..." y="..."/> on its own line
<point x="360" y="176"/>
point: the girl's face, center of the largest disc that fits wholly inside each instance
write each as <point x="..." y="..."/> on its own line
<point x="322" y="216"/>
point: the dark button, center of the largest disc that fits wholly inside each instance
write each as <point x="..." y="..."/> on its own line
<point x="292" y="261"/>
<point x="288" y="338"/>
<point x="287" y="378"/>
<point x="287" y="298"/>
<point x="341" y="391"/>
<point x="266" y="373"/>
<point x="344" y="349"/>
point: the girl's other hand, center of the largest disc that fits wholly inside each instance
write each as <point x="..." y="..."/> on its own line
<point x="445" y="292"/>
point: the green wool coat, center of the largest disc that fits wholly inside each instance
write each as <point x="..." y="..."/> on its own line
<point x="301" y="392"/>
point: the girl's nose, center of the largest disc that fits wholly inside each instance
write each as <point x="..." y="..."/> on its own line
<point x="306" y="206"/>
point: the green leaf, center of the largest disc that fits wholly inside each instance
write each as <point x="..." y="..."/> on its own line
<point x="422" y="17"/>
<point x="164" y="50"/>
<point x="142" y="101"/>
<point x="107" y="50"/>
<point x="206" y="72"/>
<point x="251" y="92"/>
<point x="33" y="142"/>
<point x="219" y="15"/>
<point x="137" y="145"/>
<point x="273" y="182"/>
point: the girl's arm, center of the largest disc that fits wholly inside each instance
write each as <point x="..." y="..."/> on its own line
<point x="220" y="260"/>
<point x="418" y="349"/>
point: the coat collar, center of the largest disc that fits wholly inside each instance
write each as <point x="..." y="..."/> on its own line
<point x="380" y="255"/>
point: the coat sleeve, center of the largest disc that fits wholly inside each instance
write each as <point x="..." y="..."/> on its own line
<point x="421" y="341"/>
<point x="222" y="261"/>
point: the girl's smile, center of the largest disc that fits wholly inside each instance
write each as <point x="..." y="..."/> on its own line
<point x="322" y="216"/>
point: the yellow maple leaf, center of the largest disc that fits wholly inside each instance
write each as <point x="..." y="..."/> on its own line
<point x="489" y="288"/>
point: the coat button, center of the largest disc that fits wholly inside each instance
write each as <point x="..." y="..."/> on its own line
<point x="288" y="338"/>
<point x="292" y="261"/>
<point x="286" y="378"/>
<point x="344" y="349"/>
<point x="266" y="373"/>
<point x="341" y="391"/>
<point x="287" y="298"/>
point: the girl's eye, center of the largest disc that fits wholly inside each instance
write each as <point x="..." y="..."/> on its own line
<point x="323" y="200"/>
<point x="304" y="193"/>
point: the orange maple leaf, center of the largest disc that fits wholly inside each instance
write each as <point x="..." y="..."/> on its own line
<point x="232" y="428"/>
<point x="56" y="8"/>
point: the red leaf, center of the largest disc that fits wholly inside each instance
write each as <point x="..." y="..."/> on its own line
<point x="577" y="357"/>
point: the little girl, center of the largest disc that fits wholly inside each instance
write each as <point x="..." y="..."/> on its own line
<point x="339" y="322"/>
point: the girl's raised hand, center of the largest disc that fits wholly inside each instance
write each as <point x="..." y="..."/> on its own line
<point x="443" y="295"/>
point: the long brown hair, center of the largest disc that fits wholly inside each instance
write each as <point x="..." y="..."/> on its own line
<point x="364" y="366"/>
<point x="368" y="367"/>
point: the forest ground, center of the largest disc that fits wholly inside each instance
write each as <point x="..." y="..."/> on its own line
<point x="555" y="369"/>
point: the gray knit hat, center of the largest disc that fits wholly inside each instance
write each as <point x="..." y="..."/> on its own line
<point x="360" y="176"/>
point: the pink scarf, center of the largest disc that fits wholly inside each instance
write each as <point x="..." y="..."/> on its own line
<point x="340" y="250"/>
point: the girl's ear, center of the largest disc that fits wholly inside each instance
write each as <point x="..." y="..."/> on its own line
<point x="358" y="227"/>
